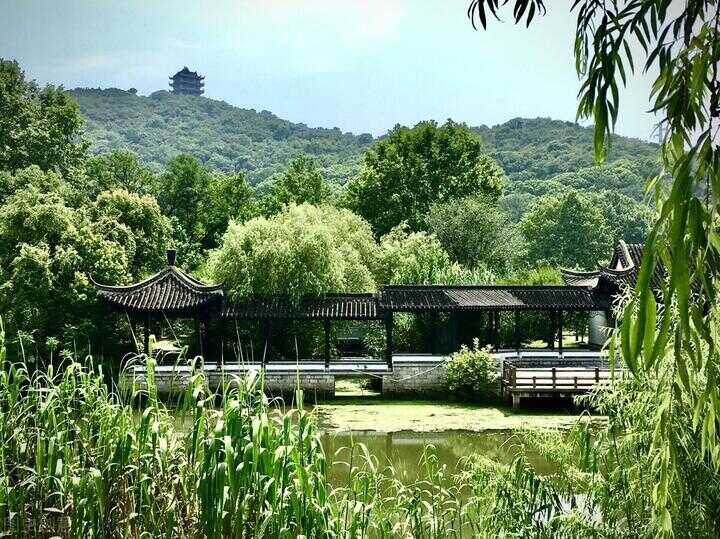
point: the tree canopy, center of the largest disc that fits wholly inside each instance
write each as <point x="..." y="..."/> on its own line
<point x="411" y="169"/>
<point x="303" y="250"/>
<point x="568" y="230"/>
<point x="476" y="232"/>
<point x="301" y="183"/>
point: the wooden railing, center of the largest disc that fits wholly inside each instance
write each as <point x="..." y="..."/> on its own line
<point x="570" y="378"/>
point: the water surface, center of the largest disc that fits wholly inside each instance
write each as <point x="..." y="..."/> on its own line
<point x="403" y="450"/>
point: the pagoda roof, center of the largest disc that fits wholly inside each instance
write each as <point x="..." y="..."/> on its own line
<point x="170" y="290"/>
<point x="185" y="72"/>
<point x="622" y="270"/>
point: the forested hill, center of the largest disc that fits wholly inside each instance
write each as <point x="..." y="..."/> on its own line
<point x="540" y="148"/>
<point x="163" y="125"/>
<point x="228" y="138"/>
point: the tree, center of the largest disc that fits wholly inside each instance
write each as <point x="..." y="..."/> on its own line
<point x="119" y="169"/>
<point x="47" y="251"/>
<point x="37" y="127"/>
<point x="411" y="169"/>
<point x="474" y="231"/>
<point x="407" y="257"/>
<point x="516" y="204"/>
<point x="628" y="220"/>
<point x="181" y="191"/>
<point x="567" y="231"/>
<point x="136" y="222"/>
<point x="228" y="197"/>
<point x="301" y="183"/>
<point x="303" y="250"/>
<point x="202" y="203"/>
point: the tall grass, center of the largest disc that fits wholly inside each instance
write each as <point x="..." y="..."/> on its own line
<point x="79" y="459"/>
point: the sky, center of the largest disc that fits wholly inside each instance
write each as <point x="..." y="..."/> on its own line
<point x="360" y="65"/>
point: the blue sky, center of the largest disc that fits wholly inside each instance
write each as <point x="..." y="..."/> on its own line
<point x="360" y="65"/>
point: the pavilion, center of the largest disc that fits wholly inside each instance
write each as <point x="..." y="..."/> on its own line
<point x="469" y="310"/>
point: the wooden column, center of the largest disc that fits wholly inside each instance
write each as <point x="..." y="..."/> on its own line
<point x="434" y="332"/>
<point x="327" y="343"/>
<point x="389" y="340"/>
<point x="265" y="337"/>
<point x="198" y="334"/>
<point x="455" y="331"/>
<point x="560" y="330"/>
<point x="516" y="315"/>
<point x="205" y="340"/>
<point x="146" y="335"/>
<point x="496" y="329"/>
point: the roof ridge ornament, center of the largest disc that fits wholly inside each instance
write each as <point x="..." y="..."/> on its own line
<point x="626" y="253"/>
<point x="171" y="255"/>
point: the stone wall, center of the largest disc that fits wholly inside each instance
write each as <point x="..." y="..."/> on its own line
<point x="316" y="384"/>
<point x="419" y="377"/>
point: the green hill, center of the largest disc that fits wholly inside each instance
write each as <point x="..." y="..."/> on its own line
<point x="539" y="155"/>
<point x="228" y="138"/>
<point x="532" y="149"/>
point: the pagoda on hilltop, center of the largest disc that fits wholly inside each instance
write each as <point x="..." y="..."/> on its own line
<point x="187" y="82"/>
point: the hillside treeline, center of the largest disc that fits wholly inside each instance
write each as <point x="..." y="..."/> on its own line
<point x="429" y="204"/>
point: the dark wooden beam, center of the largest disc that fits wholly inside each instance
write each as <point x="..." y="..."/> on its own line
<point x="516" y="315"/>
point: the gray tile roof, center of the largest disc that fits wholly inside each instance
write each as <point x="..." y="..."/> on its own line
<point x="327" y="306"/>
<point x="486" y="297"/>
<point x="170" y="291"/>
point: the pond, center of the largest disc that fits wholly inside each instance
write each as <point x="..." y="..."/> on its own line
<point x="403" y="450"/>
<point x="396" y="432"/>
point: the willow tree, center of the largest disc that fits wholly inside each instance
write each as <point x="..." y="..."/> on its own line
<point x="673" y="338"/>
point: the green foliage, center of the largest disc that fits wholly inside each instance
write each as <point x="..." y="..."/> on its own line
<point x="37" y="127"/>
<point x="411" y="169"/>
<point x="406" y="257"/>
<point x="202" y="203"/>
<point x="303" y="250"/>
<point x="540" y="275"/>
<point x="671" y="350"/>
<point x="301" y="183"/>
<point x="628" y="220"/>
<point x="473" y="373"/>
<point x="568" y="230"/>
<point x="119" y="169"/>
<point x="135" y="222"/>
<point x="476" y="232"/>
<point x="541" y="148"/>
<point x="222" y="137"/>
<point x="47" y="251"/>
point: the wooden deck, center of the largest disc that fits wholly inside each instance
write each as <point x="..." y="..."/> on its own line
<point x="570" y="374"/>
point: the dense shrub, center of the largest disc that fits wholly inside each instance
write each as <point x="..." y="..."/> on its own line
<point x="472" y="373"/>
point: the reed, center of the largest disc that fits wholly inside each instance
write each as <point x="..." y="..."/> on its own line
<point x="81" y="459"/>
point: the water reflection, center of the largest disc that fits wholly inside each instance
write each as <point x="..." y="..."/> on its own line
<point x="403" y="450"/>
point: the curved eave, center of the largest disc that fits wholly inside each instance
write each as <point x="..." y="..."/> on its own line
<point x="190" y="282"/>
